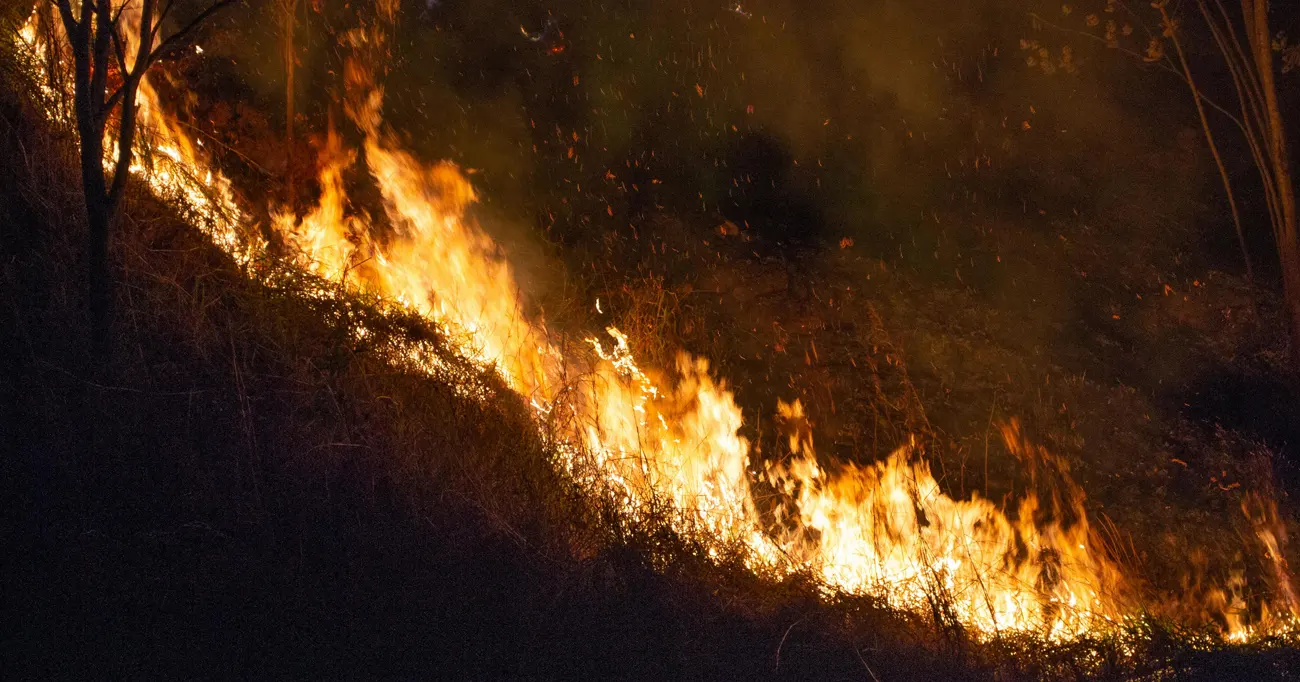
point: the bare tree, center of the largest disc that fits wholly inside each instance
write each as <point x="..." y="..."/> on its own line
<point x="1246" y="45"/>
<point x="1251" y="65"/>
<point x="1258" y="93"/>
<point x="99" y="40"/>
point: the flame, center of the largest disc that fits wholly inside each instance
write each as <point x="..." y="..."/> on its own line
<point x="320" y="241"/>
<point x="174" y="170"/>
<point x="888" y="529"/>
<point x="1271" y="533"/>
<point x="668" y="443"/>
<point x="884" y="529"/>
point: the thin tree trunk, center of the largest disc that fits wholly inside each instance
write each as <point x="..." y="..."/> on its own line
<point x="1256" y="17"/>
<point x="99" y="281"/>
<point x="290" y="18"/>
<point x="92" y="33"/>
<point x="93" y="191"/>
<point x="98" y="294"/>
<point x="1214" y="147"/>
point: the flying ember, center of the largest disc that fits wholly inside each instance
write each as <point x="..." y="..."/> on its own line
<point x="651" y="437"/>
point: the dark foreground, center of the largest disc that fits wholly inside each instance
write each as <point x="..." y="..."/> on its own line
<point x="241" y="492"/>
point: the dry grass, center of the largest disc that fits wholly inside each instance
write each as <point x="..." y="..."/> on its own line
<point x="249" y="489"/>
<point x="258" y="491"/>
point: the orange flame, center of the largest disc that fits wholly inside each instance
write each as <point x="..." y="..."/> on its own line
<point x="885" y="529"/>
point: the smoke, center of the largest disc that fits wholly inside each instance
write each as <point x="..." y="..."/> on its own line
<point x="805" y="122"/>
<point x="806" y="125"/>
<point x="875" y="111"/>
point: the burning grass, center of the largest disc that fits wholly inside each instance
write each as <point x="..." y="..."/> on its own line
<point x="249" y="487"/>
<point x="377" y="377"/>
<point x="267" y="494"/>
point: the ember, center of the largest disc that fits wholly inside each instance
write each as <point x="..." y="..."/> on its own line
<point x="649" y="437"/>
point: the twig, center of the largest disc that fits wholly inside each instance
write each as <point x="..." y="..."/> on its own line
<point x="225" y="146"/>
<point x="864" y="664"/>
<point x="783" y="637"/>
<point x="988" y="428"/>
<point x="1199" y="95"/>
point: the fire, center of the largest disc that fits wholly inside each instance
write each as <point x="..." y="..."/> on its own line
<point x="174" y="171"/>
<point x="888" y="529"/>
<point x="885" y="529"/>
<point x="320" y="240"/>
<point x="667" y="443"/>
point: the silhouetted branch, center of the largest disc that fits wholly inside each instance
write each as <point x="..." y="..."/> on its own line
<point x="176" y="39"/>
<point x="1160" y="65"/>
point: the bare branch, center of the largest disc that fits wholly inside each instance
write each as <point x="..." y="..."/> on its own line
<point x="1251" y="113"/>
<point x="127" y="126"/>
<point x="104" y="30"/>
<point x="1172" y="32"/>
<point x="1099" y="39"/>
<point x="1162" y="65"/>
<point x="113" y="100"/>
<point x="70" y="24"/>
<point x="120" y="9"/>
<point x="162" y="16"/>
<point x="177" y="39"/>
<point x="1252" y="80"/>
<point x="1138" y="18"/>
<point x="144" y="42"/>
<point x="119" y="48"/>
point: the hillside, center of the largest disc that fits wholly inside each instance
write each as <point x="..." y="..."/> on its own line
<point x="243" y="492"/>
<point x="280" y="472"/>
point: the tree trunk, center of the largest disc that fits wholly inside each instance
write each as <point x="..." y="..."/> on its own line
<point x="91" y="28"/>
<point x="99" y="284"/>
<point x="98" y="213"/>
<point x="1288" y="250"/>
<point x="290" y="9"/>
<point x="99" y="280"/>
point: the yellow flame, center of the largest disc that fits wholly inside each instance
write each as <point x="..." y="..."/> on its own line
<point x="669" y="443"/>
<point x="883" y="529"/>
<point x="173" y="170"/>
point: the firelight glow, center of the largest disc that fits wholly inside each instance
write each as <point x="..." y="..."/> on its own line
<point x="648" y="438"/>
